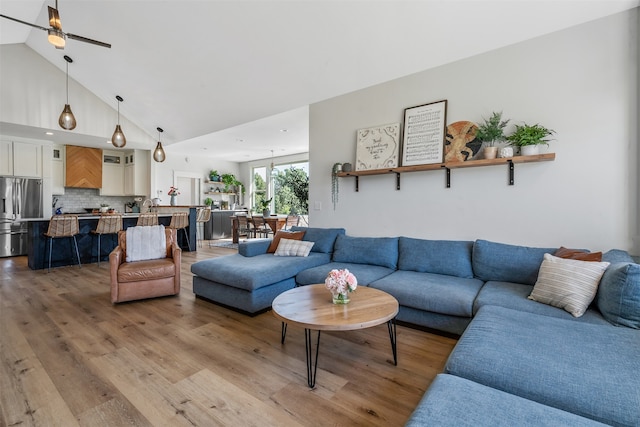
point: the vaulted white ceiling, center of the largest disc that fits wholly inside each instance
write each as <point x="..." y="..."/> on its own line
<point x="229" y="76"/>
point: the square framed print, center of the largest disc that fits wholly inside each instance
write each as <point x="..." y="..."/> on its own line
<point x="424" y="134"/>
<point x="378" y="147"/>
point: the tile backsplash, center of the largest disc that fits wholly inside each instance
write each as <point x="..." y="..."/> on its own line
<point x="76" y="199"/>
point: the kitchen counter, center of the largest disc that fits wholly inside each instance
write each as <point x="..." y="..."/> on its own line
<point x="64" y="251"/>
<point x="82" y="216"/>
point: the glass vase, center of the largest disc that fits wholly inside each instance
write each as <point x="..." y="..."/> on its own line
<point x="173" y="200"/>
<point x="340" y="298"/>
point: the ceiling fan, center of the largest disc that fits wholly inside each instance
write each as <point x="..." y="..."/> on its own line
<point x="57" y="37"/>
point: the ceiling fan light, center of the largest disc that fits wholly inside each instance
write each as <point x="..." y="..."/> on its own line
<point x="118" y="139"/>
<point x="56" y="38"/>
<point x="159" y="154"/>
<point x="67" y="120"/>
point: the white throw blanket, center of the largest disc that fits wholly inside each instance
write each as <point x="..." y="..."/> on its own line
<point x="148" y="242"/>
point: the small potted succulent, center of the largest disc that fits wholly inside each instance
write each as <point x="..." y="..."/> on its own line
<point x="104" y="207"/>
<point x="490" y="132"/>
<point x="529" y="138"/>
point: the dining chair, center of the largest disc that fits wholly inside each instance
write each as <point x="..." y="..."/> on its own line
<point x="244" y="226"/>
<point x="107" y="224"/>
<point x="292" y="221"/>
<point x="63" y="226"/>
<point x="261" y="227"/>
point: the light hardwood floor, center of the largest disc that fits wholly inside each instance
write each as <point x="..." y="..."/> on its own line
<point x="69" y="357"/>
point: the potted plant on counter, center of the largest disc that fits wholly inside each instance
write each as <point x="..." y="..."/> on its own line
<point x="104" y="207"/>
<point x="490" y="132"/>
<point x="529" y="138"/>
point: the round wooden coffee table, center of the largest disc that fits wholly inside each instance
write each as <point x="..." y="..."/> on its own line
<point x="311" y="307"/>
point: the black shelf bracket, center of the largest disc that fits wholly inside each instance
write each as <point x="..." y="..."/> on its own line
<point x="511" y="172"/>
<point x="357" y="183"/>
<point x="397" y="180"/>
<point x="448" y="172"/>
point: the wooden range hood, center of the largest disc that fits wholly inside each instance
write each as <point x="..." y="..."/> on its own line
<point x="83" y="167"/>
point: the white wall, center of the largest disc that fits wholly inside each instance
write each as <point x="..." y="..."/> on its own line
<point x="581" y="82"/>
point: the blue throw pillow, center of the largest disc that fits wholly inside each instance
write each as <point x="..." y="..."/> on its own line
<point x="507" y="263"/>
<point x="618" y="295"/>
<point x="452" y="258"/>
<point x="324" y="238"/>
<point x="381" y="251"/>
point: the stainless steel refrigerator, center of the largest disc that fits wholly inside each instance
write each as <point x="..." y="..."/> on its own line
<point x="19" y="198"/>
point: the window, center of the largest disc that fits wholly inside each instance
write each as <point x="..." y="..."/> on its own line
<point x="259" y="187"/>
<point x="291" y="188"/>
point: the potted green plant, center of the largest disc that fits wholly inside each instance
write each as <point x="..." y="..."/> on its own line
<point x="490" y="132"/>
<point x="264" y="206"/>
<point x="529" y="138"/>
<point x="104" y="207"/>
<point x="208" y="201"/>
<point x="214" y="176"/>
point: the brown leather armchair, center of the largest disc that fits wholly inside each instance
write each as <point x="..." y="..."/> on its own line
<point x="144" y="279"/>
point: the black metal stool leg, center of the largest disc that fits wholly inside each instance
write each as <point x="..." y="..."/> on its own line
<point x="99" y="252"/>
<point x="391" y="324"/>
<point x="283" y="332"/>
<point x="312" y="367"/>
<point x="50" y="247"/>
<point x="75" y="242"/>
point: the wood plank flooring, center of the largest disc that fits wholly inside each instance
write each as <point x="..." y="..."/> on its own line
<point x="68" y="357"/>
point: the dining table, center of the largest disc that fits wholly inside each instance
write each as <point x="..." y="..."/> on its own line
<point x="275" y="222"/>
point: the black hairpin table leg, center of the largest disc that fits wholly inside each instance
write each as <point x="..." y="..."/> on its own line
<point x="312" y="366"/>
<point x="391" y="324"/>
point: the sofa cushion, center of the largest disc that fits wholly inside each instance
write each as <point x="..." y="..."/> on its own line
<point x="291" y="247"/>
<point x="590" y="370"/>
<point x="253" y="247"/>
<point x="568" y="283"/>
<point x="382" y="251"/>
<point x="431" y="292"/>
<point x="617" y="255"/>
<point x="284" y="234"/>
<point x="507" y="263"/>
<point x="138" y="271"/>
<point x="618" y="295"/>
<point x="363" y="272"/>
<point x="254" y="272"/>
<point x="457" y="402"/>
<point x="324" y="238"/>
<point x="435" y="256"/>
<point x="514" y="296"/>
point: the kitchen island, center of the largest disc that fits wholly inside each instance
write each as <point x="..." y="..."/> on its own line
<point x="64" y="251"/>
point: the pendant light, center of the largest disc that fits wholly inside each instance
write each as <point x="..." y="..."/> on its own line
<point x="158" y="153"/>
<point x="67" y="120"/>
<point x="118" y="139"/>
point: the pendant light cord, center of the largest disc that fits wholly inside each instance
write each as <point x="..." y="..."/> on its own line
<point x="67" y="82"/>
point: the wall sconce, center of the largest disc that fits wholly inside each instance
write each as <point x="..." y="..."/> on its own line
<point x="67" y="120"/>
<point x="158" y="153"/>
<point x="118" y="139"/>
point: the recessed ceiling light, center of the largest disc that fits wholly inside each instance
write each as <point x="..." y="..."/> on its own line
<point x="239" y="140"/>
<point x="284" y="130"/>
<point x="48" y="133"/>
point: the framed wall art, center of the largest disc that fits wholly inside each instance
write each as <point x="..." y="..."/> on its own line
<point x="378" y="147"/>
<point x="424" y="133"/>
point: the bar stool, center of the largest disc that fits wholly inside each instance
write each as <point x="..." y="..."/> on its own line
<point x="180" y="221"/>
<point x="203" y="216"/>
<point x="107" y="224"/>
<point x="147" y="219"/>
<point x="63" y="226"/>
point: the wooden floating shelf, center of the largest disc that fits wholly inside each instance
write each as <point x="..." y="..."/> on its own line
<point x="509" y="161"/>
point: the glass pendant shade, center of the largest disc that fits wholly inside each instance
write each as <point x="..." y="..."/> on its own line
<point x="56" y="38"/>
<point x="159" y="154"/>
<point x="67" y="120"/>
<point x="118" y="139"/>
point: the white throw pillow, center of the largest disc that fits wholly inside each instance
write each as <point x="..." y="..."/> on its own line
<point x="567" y="283"/>
<point x="290" y="247"/>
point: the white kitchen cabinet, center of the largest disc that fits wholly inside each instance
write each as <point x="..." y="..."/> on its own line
<point x="21" y="159"/>
<point x="136" y="173"/>
<point x="112" y="174"/>
<point x="57" y="170"/>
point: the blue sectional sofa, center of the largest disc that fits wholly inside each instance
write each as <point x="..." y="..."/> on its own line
<point x="518" y="361"/>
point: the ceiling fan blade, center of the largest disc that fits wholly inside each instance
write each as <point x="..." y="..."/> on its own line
<point x="87" y="40"/>
<point x="25" y="23"/>
<point x="54" y="19"/>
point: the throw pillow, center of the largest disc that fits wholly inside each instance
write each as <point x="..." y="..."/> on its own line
<point x="567" y="283"/>
<point x="578" y="254"/>
<point x="283" y="234"/>
<point x="288" y="247"/>
<point x="619" y="295"/>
